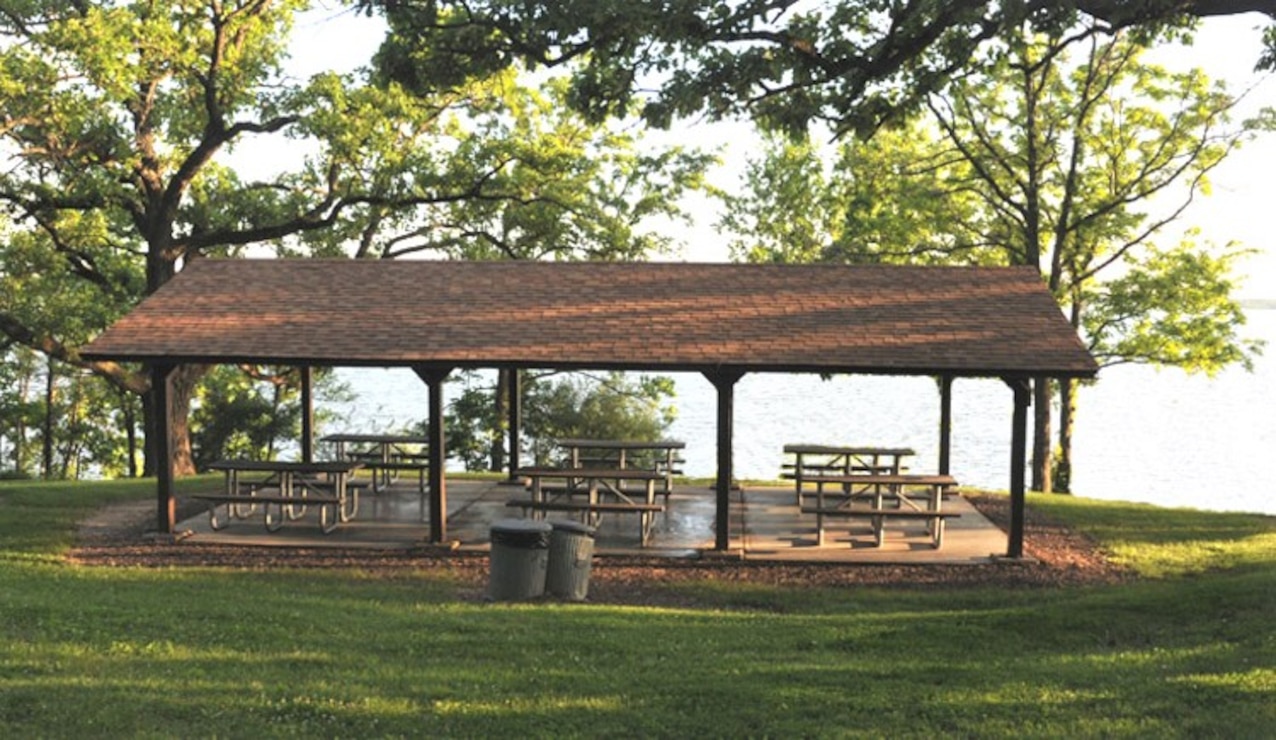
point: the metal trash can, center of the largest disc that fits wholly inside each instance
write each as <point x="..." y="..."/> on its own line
<point x="520" y="557"/>
<point x="571" y="555"/>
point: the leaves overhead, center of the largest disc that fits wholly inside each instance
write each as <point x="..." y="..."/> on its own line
<point x="848" y="64"/>
<point x="1071" y="154"/>
<point x="139" y="135"/>
<point x="119" y="121"/>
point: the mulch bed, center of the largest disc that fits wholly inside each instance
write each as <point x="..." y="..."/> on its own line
<point x="1056" y="556"/>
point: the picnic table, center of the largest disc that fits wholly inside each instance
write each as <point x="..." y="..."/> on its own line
<point x="605" y="491"/>
<point x="385" y="455"/>
<point x="661" y="456"/>
<point x="875" y="489"/>
<point x="815" y="463"/>
<point x="284" y="490"/>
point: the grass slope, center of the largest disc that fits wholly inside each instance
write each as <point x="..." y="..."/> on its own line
<point x="1188" y="651"/>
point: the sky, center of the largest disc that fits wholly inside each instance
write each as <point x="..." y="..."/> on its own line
<point x="1241" y="208"/>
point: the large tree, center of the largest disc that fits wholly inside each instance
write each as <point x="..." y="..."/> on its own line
<point x="117" y="122"/>
<point x="894" y="199"/>
<point x="566" y="189"/>
<point x="849" y="64"/>
<point x="493" y="169"/>
<point x="1083" y="155"/>
<point x="1076" y="166"/>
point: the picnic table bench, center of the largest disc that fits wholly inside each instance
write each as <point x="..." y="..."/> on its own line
<point x="661" y="456"/>
<point x="386" y="456"/>
<point x="595" y="484"/>
<point x="876" y="489"/>
<point x="812" y="462"/>
<point x="284" y="490"/>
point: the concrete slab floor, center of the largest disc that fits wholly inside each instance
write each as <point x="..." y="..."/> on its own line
<point x="766" y="524"/>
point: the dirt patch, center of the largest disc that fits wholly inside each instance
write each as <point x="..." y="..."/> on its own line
<point x="1056" y="556"/>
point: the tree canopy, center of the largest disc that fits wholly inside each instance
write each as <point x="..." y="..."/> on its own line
<point x="117" y="122"/>
<point x="849" y="64"/>
<point x="1070" y="154"/>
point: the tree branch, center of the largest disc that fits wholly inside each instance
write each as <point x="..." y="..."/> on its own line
<point x="1123" y="13"/>
<point x="114" y="373"/>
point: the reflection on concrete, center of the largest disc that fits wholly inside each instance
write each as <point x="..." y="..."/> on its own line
<point x="765" y="525"/>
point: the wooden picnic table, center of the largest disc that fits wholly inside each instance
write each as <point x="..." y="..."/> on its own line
<point x="596" y="484"/>
<point x="287" y="488"/>
<point x="661" y="456"/>
<point x="875" y="490"/>
<point x="811" y="461"/>
<point x="386" y="456"/>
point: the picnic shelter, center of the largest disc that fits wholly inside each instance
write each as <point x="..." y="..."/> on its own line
<point x="719" y="320"/>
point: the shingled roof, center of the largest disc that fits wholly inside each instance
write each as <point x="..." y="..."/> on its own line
<point x="652" y="316"/>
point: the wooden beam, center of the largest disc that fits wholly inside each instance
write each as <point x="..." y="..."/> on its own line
<point x="724" y="381"/>
<point x="162" y="448"/>
<point x="1018" y="453"/>
<point x="434" y="378"/>
<point x="515" y="421"/>
<point x="945" y="423"/>
<point x="307" y="413"/>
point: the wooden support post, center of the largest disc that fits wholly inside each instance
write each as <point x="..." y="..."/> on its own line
<point x="162" y="448"/>
<point x="945" y="423"/>
<point x="307" y="413"/>
<point x="515" y="421"/>
<point x="434" y="378"/>
<point x="724" y="380"/>
<point x="1018" y="453"/>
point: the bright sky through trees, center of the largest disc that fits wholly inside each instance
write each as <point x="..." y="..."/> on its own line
<point x="1240" y="208"/>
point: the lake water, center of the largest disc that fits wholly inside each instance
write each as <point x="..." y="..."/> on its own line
<point x="1160" y="437"/>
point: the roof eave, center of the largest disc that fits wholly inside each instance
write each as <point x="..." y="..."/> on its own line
<point x="519" y="363"/>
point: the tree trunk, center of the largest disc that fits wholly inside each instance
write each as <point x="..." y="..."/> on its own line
<point x="71" y="445"/>
<point x="130" y="429"/>
<point x="496" y="461"/>
<point x="20" y="429"/>
<point x="1067" y="410"/>
<point x="161" y="266"/>
<point x="1067" y="414"/>
<point x="1042" y="439"/>
<point x="50" y="396"/>
<point x="185" y="380"/>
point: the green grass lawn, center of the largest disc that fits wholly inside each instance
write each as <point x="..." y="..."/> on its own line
<point x="1187" y="651"/>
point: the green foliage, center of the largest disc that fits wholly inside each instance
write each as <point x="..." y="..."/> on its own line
<point x="113" y="117"/>
<point x="788" y="212"/>
<point x="85" y="416"/>
<point x="897" y="198"/>
<point x="500" y="171"/>
<point x="850" y="65"/>
<point x="52" y="294"/>
<point x="1072" y="165"/>
<point x="117" y="125"/>
<point x="1268" y="59"/>
<point x="845" y="62"/>
<point x="238" y="416"/>
<point x="1171" y="308"/>
<point x="254" y="413"/>
<point x="612" y="406"/>
<point x="576" y="405"/>
<point x="472" y="423"/>
<point x="20" y="411"/>
<point x="89" y="424"/>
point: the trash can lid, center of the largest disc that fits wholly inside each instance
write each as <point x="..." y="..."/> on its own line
<point x="571" y="525"/>
<point x="521" y="534"/>
<point x="521" y="526"/>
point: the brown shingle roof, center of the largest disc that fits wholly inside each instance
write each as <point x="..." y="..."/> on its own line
<point x="657" y="316"/>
